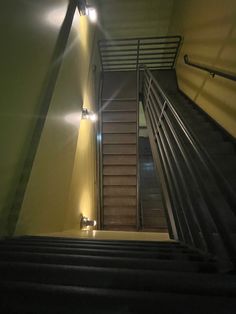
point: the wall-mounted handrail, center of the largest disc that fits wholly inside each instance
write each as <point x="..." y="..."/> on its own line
<point x="186" y="159"/>
<point x="212" y="71"/>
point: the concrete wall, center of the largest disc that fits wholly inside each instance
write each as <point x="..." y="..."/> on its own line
<point x="29" y="33"/>
<point x="209" y="30"/>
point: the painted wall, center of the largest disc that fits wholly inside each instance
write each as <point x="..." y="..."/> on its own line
<point x="209" y="30"/>
<point x="135" y="18"/>
<point x="28" y="39"/>
<point x="62" y="182"/>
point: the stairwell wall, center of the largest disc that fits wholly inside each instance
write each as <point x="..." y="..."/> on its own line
<point x="28" y="36"/>
<point x="30" y="31"/>
<point x="209" y="32"/>
<point x="62" y="183"/>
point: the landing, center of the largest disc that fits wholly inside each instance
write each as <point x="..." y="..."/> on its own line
<point x="112" y="235"/>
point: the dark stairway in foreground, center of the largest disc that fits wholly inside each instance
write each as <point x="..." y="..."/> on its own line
<point x="66" y="275"/>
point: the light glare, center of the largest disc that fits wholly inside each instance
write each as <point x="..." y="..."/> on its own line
<point x="93" y="117"/>
<point x="73" y="118"/>
<point x="92" y="14"/>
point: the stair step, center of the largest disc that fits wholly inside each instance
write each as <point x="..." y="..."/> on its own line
<point x="152" y="203"/>
<point x="164" y="254"/>
<point x="129" y="127"/>
<point x="55" y="299"/>
<point x="119" y="160"/>
<point x="226" y="162"/>
<point x="116" y="227"/>
<point x="119" y="170"/>
<point x="148" y="196"/>
<point x="119" y="180"/>
<point x="119" y="106"/>
<point x="221" y="148"/>
<point x="118" y="278"/>
<point x="154" y="246"/>
<point x="115" y="210"/>
<point x="119" y="138"/>
<point x="100" y="261"/>
<point x="119" y="149"/>
<point x="135" y="247"/>
<point x="119" y="116"/>
<point x="119" y="201"/>
<point x="96" y="241"/>
<point x="120" y="220"/>
<point x="119" y="190"/>
<point x="119" y="85"/>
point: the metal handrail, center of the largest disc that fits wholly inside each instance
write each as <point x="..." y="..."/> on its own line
<point x="199" y="147"/>
<point x="200" y="152"/>
<point x="127" y="54"/>
<point x="212" y="71"/>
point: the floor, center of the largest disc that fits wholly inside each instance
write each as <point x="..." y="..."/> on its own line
<point x="112" y="235"/>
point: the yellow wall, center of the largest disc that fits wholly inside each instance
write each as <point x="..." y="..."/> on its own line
<point x="209" y="30"/>
<point x="64" y="167"/>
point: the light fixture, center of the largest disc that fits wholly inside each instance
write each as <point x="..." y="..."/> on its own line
<point x="88" y="115"/>
<point x="86" y="223"/>
<point x="92" y="13"/>
<point x="85" y="9"/>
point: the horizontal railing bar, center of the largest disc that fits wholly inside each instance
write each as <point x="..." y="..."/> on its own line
<point x="212" y="71"/>
<point x="119" y="69"/>
<point x="159" y="43"/>
<point x="138" y="38"/>
<point x="141" y="49"/>
<point x="135" y="43"/>
<point x="131" y="62"/>
<point x="135" y="55"/>
<point x="133" y="58"/>
<point x="141" y="44"/>
<point x="161" y="67"/>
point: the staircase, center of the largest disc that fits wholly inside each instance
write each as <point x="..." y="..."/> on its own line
<point x="219" y="145"/>
<point x="197" y="163"/>
<point x="68" y="275"/>
<point x="119" y="151"/>
<point x="153" y="216"/>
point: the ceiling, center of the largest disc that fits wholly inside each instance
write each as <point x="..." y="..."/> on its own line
<point x="134" y="18"/>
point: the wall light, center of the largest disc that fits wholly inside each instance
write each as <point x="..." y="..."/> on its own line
<point x="85" y="9"/>
<point x="88" y="115"/>
<point x="86" y="223"/>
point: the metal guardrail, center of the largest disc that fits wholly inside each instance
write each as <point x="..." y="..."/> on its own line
<point x="129" y="54"/>
<point x="212" y="71"/>
<point x="200" y="207"/>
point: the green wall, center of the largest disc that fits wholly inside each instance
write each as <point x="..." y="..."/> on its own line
<point x="54" y="197"/>
<point x="28" y="40"/>
<point x="209" y="31"/>
<point x="29" y="34"/>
